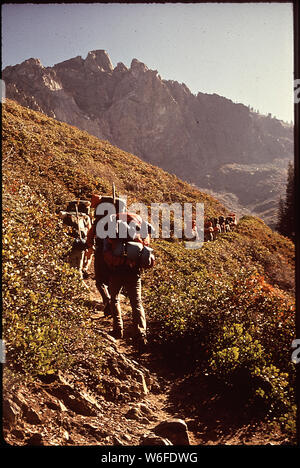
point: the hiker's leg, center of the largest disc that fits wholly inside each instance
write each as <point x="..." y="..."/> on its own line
<point x="87" y="260"/>
<point x="134" y="289"/>
<point x="80" y="263"/>
<point x="103" y="290"/>
<point x="100" y="269"/>
<point x="76" y="259"/>
<point x="115" y="287"/>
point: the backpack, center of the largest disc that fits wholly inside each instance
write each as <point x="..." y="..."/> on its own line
<point x="97" y="200"/>
<point x="133" y="250"/>
<point x="82" y="206"/>
<point x="77" y="217"/>
<point x="79" y="222"/>
<point x="120" y="253"/>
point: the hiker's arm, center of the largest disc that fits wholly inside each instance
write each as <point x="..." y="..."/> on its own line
<point x="90" y="236"/>
<point x="89" y="252"/>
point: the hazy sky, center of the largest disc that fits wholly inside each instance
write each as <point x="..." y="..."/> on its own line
<point x="241" y="51"/>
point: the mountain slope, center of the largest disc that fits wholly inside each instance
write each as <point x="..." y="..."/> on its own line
<point x="194" y="300"/>
<point x="206" y="139"/>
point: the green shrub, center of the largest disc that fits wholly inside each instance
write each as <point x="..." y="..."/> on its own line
<point x="43" y="298"/>
<point x="238" y="359"/>
<point x="238" y="328"/>
<point x="234" y="348"/>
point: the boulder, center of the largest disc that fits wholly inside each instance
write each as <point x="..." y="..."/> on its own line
<point x="31" y="416"/>
<point x="75" y="401"/>
<point x="81" y="402"/>
<point x="175" y="430"/>
<point x="146" y="410"/>
<point x="138" y="413"/>
<point x="133" y="413"/>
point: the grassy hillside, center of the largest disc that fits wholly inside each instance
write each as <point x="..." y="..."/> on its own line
<point x="227" y="308"/>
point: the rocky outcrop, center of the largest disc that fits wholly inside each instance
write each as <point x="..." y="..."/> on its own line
<point x="77" y="408"/>
<point x="201" y="138"/>
<point x="74" y="407"/>
<point x="169" y="432"/>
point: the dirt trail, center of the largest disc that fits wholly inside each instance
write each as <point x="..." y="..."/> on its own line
<point x="124" y="400"/>
<point x="211" y="419"/>
<point x="159" y="399"/>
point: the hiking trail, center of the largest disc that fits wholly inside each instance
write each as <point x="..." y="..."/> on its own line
<point x="132" y="400"/>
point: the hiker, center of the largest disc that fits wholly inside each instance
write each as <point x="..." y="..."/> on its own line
<point x="195" y="233"/>
<point x="227" y="225"/>
<point x="208" y="231"/>
<point x="222" y="223"/>
<point x="80" y="223"/>
<point x="232" y="221"/>
<point x="125" y="259"/>
<point x="217" y="228"/>
<point x="95" y="244"/>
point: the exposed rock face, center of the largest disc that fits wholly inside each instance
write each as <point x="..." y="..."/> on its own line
<point x="205" y="139"/>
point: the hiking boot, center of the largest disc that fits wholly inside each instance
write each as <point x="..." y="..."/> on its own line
<point x="117" y="334"/>
<point x="142" y="344"/>
<point x="107" y="311"/>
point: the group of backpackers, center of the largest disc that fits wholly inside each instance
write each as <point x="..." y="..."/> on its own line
<point x="215" y="226"/>
<point x="119" y="241"/>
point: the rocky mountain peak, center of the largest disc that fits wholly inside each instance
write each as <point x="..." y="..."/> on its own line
<point x="137" y="67"/>
<point x="73" y="63"/>
<point x="206" y="139"/>
<point x="26" y="68"/>
<point x="121" y="67"/>
<point x="33" y="62"/>
<point x="99" y="60"/>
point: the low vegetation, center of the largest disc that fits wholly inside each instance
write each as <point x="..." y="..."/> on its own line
<point x="227" y="308"/>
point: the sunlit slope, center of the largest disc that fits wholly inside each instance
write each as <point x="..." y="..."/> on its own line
<point x="60" y="161"/>
<point x="226" y="308"/>
<point x="57" y="161"/>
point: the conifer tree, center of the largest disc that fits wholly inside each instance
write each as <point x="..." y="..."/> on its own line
<point x="281" y="217"/>
<point x="286" y="208"/>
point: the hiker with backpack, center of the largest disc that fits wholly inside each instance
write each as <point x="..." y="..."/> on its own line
<point x="208" y="231"/>
<point x="217" y="228"/>
<point x="222" y="223"/>
<point x="232" y="221"/>
<point x="121" y="253"/>
<point x="227" y="225"/>
<point x="96" y="244"/>
<point x="126" y="256"/>
<point x="77" y="218"/>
